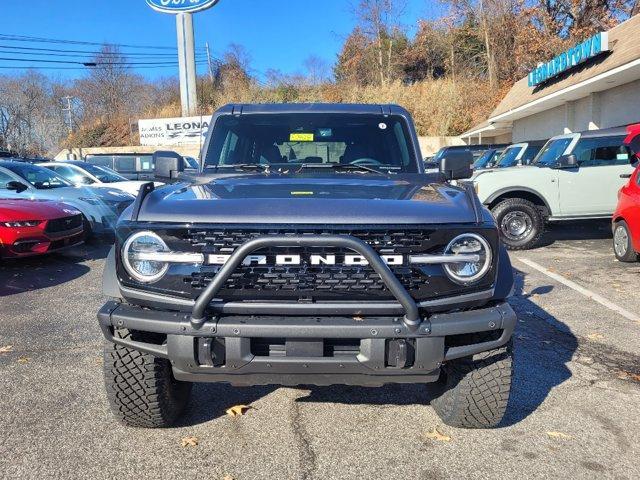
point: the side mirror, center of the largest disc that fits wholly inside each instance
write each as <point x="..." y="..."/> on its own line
<point x="567" y="161"/>
<point x="18" y="187"/>
<point x="168" y="165"/>
<point x="456" y="165"/>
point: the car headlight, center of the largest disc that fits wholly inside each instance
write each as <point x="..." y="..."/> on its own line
<point x="22" y="224"/>
<point x="136" y="254"/>
<point x="475" y="256"/>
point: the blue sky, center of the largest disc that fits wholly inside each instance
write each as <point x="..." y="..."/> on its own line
<point x="278" y="34"/>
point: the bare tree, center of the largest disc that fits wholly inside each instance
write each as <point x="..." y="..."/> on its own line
<point x="379" y="20"/>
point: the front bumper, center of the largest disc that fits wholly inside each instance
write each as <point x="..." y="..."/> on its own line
<point x="290" y="350"/>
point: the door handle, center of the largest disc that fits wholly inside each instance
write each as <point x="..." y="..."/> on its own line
<point x="625" y="175"/>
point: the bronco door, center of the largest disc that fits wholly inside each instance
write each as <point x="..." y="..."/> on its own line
<point x="591" y="189"/>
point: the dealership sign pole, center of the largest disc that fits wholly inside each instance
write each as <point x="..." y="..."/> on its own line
<point x="183" y="10"/>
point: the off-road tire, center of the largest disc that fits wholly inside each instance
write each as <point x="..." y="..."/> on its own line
<point x="141" y="389"/>
<point x="474" y="391"/>
<point x="624" y="253"/>
<point x="525" y="209"/>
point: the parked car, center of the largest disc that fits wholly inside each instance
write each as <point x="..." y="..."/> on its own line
<point x="574" y="176"/>
<point x="476" y="150"/>
<point x="100" y="207"/>
<point x="304" y="218"/>
<point x="135" y="166"/>
<point x="519" y="154"/>
<point x="626" y="218"/>
<point x="132" y="166"/>
<point x="36" y="227"/>
<point x="83" y="173"/>
<point x="488" y="159"/>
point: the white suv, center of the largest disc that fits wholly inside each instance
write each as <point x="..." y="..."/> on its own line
<point x="575" y="176"/>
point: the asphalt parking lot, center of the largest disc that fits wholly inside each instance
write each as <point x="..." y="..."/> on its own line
<point x="574" y="410"/>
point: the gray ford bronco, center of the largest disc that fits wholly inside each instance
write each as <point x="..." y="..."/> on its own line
<point x="310" y="249"/>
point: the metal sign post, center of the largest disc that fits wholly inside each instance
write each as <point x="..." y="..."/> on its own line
<point x="187" y="62"/>
<point x="183" y="10"/>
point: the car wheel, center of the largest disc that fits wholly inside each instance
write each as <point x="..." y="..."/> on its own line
<point x="141" y="388"/>
<point x="474" y="391"/>
<point x="622" y="246"/>
<point x="520" y="222"/>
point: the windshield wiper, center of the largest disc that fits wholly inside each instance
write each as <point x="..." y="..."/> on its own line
<point x="246" y="166"/>
<point x="341" y="166"/>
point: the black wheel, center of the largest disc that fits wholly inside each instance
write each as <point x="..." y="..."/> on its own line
<point x="622" y="246"/>
<point x="141" y="388"/>
<point x="475" y="390"/>
<point x="520" y="222"/>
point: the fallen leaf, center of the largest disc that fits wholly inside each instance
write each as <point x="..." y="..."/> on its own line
<point x="228" y="477"/>
<point x="559" y="435"/>
<point x="628" y="376"/>
<point x="436" y="434"/>
<point x="237" y="410"/>
<point x="189" y="442"/>
<point x="595" y="336"/>
<point x="6" y="349"/>
<point x="23" y="359"/>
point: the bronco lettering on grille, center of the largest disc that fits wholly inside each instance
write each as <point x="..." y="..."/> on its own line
<point x="315" y="260"/>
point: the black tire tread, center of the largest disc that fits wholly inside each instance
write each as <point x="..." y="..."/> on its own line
<point x="476" y="390"/>
<point x="538" y="218"/>
<point x="140" y="387"/>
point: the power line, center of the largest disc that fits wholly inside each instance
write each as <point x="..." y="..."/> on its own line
<point x="24" y="38"/>
<point x="38" y="67"/>
<point x="76" y="53"/>
<point x="87" y="63"/>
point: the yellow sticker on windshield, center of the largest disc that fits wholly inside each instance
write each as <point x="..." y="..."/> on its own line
<point x="301" y="137"/>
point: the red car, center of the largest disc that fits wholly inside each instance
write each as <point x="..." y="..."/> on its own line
<point x="626" y="219"/>
<point x="35" y="227"/>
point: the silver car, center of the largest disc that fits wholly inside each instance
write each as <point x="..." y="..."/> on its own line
<point x="101" y="207"/>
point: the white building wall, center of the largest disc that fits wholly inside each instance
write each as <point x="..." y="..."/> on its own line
<point x="620" y="105"/>
<point x="610" y="108"/>
<point x="540" y="126"/>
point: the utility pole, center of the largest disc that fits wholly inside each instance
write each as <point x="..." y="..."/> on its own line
<point x="187" y="63"/>
<point x="209" y="62"/>
<point x="68" y="110"/>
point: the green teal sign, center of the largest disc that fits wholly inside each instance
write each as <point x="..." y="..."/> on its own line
<point x="567" y="60"/>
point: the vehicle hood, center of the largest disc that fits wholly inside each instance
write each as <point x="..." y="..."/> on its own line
<point x="338" y="199"/>
<point x="107" y="195"/>
<point x="19" y="209"/>
<point x="131" y="186"/>
<point x="522" y="170"/>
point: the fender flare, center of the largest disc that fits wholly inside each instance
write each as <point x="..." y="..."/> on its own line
<point x="502" y="191"/>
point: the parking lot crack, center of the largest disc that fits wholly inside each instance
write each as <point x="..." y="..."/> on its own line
<point x="307" y="454"/>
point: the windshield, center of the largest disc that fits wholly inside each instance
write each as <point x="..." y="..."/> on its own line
<point x="281" y="142"/>
<point x="104" y="174"/>
<point x="39" y="177"/>
<point x="553" y="150"/>
<point x="509" y="158"/>
<point x="191" y="163"/>
<point x="485" y="160"/>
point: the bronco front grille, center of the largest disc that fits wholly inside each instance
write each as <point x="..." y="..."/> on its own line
<point x="305" y="279"/>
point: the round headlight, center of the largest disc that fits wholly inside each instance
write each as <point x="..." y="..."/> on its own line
<point x="478" y="252"/>
<point x="135" y="257"/>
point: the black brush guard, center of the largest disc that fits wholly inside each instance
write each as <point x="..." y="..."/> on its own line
<point x="411" y="312"/>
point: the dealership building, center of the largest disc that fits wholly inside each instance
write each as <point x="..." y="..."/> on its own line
<point x="593" y="85"/>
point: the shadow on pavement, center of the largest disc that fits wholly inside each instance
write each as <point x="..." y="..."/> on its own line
<point x="543" y="347"/>
<point x="576" y="230"/>
<point x="34" y="273"/>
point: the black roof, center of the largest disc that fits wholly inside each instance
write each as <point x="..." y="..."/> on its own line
<point x="605" y="132"/>
<point x="356" y="108"/>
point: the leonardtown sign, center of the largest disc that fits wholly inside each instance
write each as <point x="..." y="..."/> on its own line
<point x="582" y="52"/>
